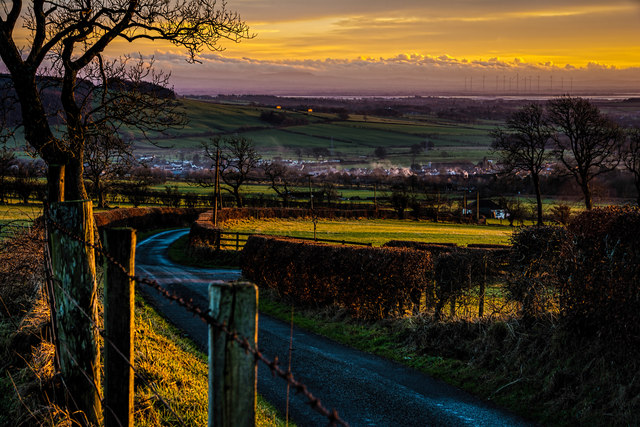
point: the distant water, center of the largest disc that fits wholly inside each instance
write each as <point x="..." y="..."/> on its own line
<point x="485" y="97"/>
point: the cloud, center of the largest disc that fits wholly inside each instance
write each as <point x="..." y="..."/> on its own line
<point x="406" y="73"/>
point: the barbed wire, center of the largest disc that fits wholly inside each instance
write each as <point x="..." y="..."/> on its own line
<point x="243" y="342"/>
<point x="103" y="334"/>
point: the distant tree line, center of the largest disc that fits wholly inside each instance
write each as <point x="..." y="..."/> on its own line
<point x="571" y="135"/>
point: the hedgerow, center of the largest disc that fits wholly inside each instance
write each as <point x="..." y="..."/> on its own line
<point x="146" y="218"/>
<point x="371" y="283"/>
<point x="532" y="278"/>
<point x="458" y="270"/>
<point x="600" y="274"/>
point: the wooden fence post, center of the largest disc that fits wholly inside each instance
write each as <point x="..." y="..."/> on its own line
<point x="73" y="265"/>
<point x="120" y="243"/>
<point x="237" y="242"/>
<point x="232" y="371"/>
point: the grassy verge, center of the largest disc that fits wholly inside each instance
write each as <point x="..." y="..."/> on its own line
<point x="173" y="392"/>
<point x="395" y="339"/>
<point x="31" y="392"/>
<point x="178" y="371"/>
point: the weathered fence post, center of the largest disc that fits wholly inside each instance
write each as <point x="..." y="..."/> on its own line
<point x="237" y="242"/>
<point x="232" y="370"/>
<point x="73" y="265"/>
<point x="120" y="243"/>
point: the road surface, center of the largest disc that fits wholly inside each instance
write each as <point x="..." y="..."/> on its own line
<point x="365" y="389"/>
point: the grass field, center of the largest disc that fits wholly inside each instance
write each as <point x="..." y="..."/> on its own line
<point x="352" y="140"/>
<point x="377" y="232"/>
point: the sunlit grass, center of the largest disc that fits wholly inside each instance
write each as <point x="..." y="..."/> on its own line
<point x="377" y="231"/>
<point x="19" y="212"/>
<point x="178" y="372"/>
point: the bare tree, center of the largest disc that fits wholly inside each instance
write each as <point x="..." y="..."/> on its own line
<point x="280" y="177"/>
<point x="521" y="146"/>
<point x="631" y="156"/>
<point x="66" y="36"/>
<point x="587" y="142"/>
<point x="238" y="159"/>
<point x="107" y="156"/>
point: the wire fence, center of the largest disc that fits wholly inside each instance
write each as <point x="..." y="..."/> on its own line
<point x="244" y="343"/>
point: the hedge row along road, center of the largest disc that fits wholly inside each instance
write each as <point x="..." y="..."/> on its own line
<point x="366" y="390"/>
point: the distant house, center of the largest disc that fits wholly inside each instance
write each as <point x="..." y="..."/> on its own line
<point x="488" y="209"/>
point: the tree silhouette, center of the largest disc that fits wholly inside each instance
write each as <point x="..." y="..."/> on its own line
<point x="587" y="142"/>
<point x="280" y="177"/>
<point x="66" y="37"/>
<point x="521" y="146"/>
<point x="631" y="156"/>
<point x="238" y="159"/>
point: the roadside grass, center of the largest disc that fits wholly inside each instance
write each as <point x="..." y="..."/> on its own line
<point x="395" y="339"/>
<point x="178" y="371"/>
<point x="166" y="358"/>
<point x="19" y="213"/>
<point x="376" y="231"/>
<point x="173" y="392"/>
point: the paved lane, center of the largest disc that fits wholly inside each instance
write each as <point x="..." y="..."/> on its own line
<point x="366" y="390"/>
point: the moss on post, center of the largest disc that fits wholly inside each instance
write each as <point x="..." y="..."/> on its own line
<point x="76" y="310"/>
<point x="232" y="370"/>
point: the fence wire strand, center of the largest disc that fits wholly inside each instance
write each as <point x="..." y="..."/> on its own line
<point x="102" y="332"/>
<point x="273" y="365"/>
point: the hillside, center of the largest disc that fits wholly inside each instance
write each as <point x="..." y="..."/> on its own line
<point x="328" y="135"/>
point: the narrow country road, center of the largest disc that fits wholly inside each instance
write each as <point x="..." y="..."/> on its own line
<point x="366" y="390"/>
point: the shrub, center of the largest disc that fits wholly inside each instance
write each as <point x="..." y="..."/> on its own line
<point x="457" y="269"/>
<point x="462" y="269"/>
<point x="561" y="213"/>
<point x="369" y="282"/>
<point x="532" y="279"/>
<point x="600" y="274"/>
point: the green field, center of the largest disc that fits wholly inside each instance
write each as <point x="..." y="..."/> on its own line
<point x="377" y="231"/>
<point x="352" y="140"/>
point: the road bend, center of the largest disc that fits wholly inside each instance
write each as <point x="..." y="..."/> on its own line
<point x="366" y="390"/>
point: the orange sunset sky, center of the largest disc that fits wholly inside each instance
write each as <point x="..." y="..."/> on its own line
<point x="419" y="47"/>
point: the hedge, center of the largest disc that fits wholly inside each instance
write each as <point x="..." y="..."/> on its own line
<point x="458" y="269"/>
<point x="371" y="283"/>
<point x="532" y="278"/>
<point x="146" y="218"/>
<point x="600" y="274"/>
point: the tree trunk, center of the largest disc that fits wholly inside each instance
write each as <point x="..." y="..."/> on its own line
<point x="55" y="183"/>
<point x="536" y="185"/>
<point x="236" y="193"/>
<point x="586" y="190"/>
<point x="74" y="183"/>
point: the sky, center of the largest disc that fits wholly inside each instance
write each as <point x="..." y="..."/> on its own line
<point x="383" y="47"/>
<point x="417" y="47"/>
